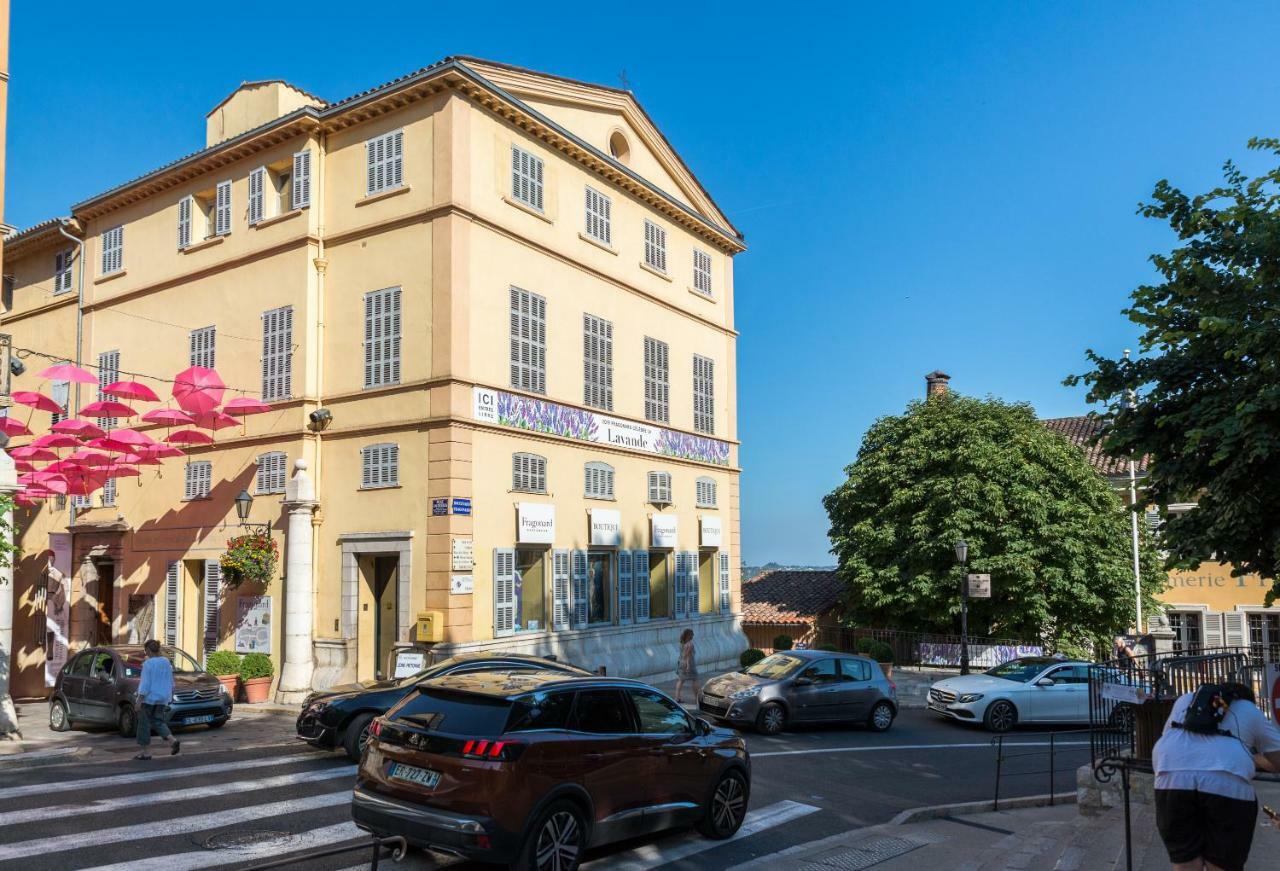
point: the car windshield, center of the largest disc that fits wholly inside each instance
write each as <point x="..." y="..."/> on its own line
<point x="1020" y="670"/>
<point x="182" y="664"/>
<point x="779" y="665"/>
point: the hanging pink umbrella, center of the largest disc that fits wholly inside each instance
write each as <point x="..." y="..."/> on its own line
<point x="33" y="453"/>
<point x="215" y="420"/>
<point x="121" y="470"/>
<point x="130" y="437"/>
<point x="52" y="482"/>
<point x="198" y="389"/>
<point x="86" y="457"/>
<point x="56" y="440"/>
<point x="24" y="466"/>
<point x="79" y="428"/>
<point x="11" y="427"/>
<point x="67" y="372"/>
<point x="242" y="405"/>
<point x="26" y="499"/>
<point x="188" y="437"/>
<point x="110" y="444"/>
<point x="168" y="417"/>
<point x="165" y="451"/>
<point x="131" y="390"/>
<point x="146" y="458"/>
<point x="35" y="399"/>
<point x="108" y="408"/>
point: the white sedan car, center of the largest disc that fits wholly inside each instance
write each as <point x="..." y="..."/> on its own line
<point x="1033" y="689"/>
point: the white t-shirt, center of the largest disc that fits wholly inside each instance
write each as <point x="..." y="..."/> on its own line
<point x="1214" y="763"/>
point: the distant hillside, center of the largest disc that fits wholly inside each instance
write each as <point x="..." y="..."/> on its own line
<point x="749" y="572"/>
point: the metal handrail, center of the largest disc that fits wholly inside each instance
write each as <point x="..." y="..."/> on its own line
<point x="395" y="843"/>
<point x="998" y="743"/>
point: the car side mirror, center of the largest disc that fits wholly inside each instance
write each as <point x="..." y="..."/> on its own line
<point x="802" y="681"/>
<point x="1046" y="682"/>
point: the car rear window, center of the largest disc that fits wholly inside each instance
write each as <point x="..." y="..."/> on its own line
<point x="454" y="713"/>
<point x="541" y="710"/>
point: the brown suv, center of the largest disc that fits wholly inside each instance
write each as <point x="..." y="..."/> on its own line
<point x="533" y="768"/>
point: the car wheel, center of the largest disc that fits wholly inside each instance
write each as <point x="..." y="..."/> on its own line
<point x="771" y="719"/>
<point x="727" y="808"/>
<point x="556" y="840"/>
<point x="881" y="717"/>
<point x="59" y="720"/>
<point x="356" y="736"/>
<point x="128" y="721"/>
<point x="1001" y="716"/>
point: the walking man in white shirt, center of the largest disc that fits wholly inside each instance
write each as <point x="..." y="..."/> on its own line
<point x="1206" y="807"/>
<point x="155" y="691"/>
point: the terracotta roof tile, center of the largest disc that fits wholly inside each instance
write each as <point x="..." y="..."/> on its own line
<point x="1080" y="432"/>
<point x="789" y="596"/>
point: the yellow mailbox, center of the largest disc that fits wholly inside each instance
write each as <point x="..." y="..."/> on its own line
<point x="430" y="626"/>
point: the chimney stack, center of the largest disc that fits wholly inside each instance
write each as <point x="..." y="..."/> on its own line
<point x="936" y="384"/>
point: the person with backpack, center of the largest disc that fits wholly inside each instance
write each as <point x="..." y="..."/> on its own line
<point x="1206" y="806"/>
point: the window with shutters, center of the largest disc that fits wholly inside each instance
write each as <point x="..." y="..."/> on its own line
<point x="108" y="374"/>
<point x="706" y="492"/>
<point x="599" y="481"/>
<point x="704" y="394"/>
<point x="1186" y="631"/>
<point x="660" y="488"/>
<point x="529" y="588"/>
<point x="81" y="502"/>
<point x="599" y="223"/>
<point x="222" y="209"/>
<point x="172" y="603"/>
<point x="384" y="162"/>
<point x="199" y="480"/>
<point x="212" y="595"/>
<point x="526" y="178"/>
<point x="300" y="180"/>
<point x="257" y="195"/>
<point x="60" y="393"/>
<point x="702" y="272"/>
<point x="113" y="250"/>
<point x="62" y="271"/>
<point x="382" y="337"/>
<point x="271" y="472"/>
<point x="1264" y="635"/>
<point x="204" y="347"/>
<point x="597" y="362"/>
<point x="186" y="208"/>
<point x="528" y="473"/>
<point x="656" y="385"/>
<point x="277" y="353"/>
<point x="655" y="246"/>
<point x="528" y="341"/>
<point x="109" y="493"/>
<point x="379" y="466"/>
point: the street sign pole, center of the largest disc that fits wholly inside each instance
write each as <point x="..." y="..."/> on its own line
<point x="964" y="619"/>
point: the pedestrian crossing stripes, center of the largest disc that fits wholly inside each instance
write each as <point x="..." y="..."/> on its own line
<point x="277" y="847"/>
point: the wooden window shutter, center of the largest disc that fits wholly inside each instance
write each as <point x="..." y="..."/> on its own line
<point x="184" y="222"/>
<point x="300" y="197"/>
<point x="725" y="603"/>
<point x="277" y="353"/>
<point x="257" y="179"/>
<point x="222" y="209"/>
<point x="1212" y="630"/>
<point x="172" y="603"/>
<point x="560" y="600"/>
<point x="640" y="581"/>
<point x="504" y="591"/>
<point x="626" y="594"/>
<point x="212" y="603"/>
<point x="1233" y="629"/>
<point x="681" y="587"/>
<point x="579" y="558"/>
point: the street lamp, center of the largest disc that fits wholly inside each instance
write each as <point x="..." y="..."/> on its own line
<point x="244" y="503"/>
<point x="962" y="557"/>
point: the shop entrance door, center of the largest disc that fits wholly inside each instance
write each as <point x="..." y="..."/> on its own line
<point x="104" y="593"/>
<point x="379" y="614"/>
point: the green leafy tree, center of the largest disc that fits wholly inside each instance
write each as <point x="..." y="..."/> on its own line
<point x="1208" y="379"/>
<point x="1048" y="529"/>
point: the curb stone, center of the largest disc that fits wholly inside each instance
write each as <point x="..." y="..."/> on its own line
<point x="933" y="812"/>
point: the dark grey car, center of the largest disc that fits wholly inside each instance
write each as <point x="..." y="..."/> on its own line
<point x="98" y="685"/>
<point x="803" y="686"/>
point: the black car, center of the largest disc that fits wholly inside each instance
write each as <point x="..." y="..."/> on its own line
<point x="340" y="715"/>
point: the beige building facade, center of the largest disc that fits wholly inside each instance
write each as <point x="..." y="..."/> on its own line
<point x="492" y="312"/>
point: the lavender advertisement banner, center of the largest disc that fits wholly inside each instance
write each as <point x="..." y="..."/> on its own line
<point x="980" y="655"/>
<point x="539" y="415"/>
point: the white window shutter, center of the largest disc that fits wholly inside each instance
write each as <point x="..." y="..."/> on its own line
<point x="504" y="591"/>
<point x="579" y="589"/>
<point x="694" y="587"/>
<point x="172" y="604"/>
<point x="277" y="353"/>
<point x="212" y="603"/>
<point x="204" y="347"/>
<point x="681" y="586"/>
<point x="725" y="597"/>
<point x="184" y="222"/>
<point x="382" y="337"/>
<point x="1212" y="629"/>
<point x="1233" y="629"/>
<point x="640" y="581"/>
<point x="257" y="180"/>
<point x="301" y="194"/>
<point x="560" y="609"/>
<point x="626" y="594"/>
<point x="222" y="209"/>
<point x="396" y="158"/>
<point x="528" y="341"/>
<point x="60" y="393"/>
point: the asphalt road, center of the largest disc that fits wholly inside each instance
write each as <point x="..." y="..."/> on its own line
<point x="250" y="793"/>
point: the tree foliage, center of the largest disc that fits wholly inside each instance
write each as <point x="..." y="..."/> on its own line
<point x="1208" y="379"/>
<point x="1049" y="530"/>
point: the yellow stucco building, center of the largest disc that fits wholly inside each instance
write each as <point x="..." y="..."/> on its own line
<point x="492" y="311"/>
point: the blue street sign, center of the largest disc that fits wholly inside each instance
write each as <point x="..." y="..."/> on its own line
<point x="462" y="506"/>
<point x="439" y="507"/>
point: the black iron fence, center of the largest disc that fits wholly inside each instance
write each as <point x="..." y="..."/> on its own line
<point x="1050" y="757"/>
<point x="921" y="648"/>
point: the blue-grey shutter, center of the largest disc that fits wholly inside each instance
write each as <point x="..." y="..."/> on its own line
<point x="694" y="590"/>
<point x="560" y="590"/>
<point x="625" y="588"/>
<point x="172" y="604"/>
<point x="301" y="195"/>
<point x="204" y="347"/>
<point x="724" y="583"/>
<point x="579" y="601"/>
<point x="382" y="337"/>
<point x="184" y="222"/>
<point x="277" y="353"/>
<point x="222" y="209"/>
<point x="212" y="603"/>
<point x="504" y="591"/>
<point x="640" y="580"/>
<point x="257" y="180"/>
<point x="681" y="587"/>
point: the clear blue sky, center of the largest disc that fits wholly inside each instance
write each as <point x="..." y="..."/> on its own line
<point x="941" y="186"/>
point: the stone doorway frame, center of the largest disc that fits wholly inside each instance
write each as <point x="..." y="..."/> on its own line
<point x="357" y="544"/>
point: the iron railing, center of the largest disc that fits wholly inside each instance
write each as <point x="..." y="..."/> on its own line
<point x="1063" y="744"/>
<point x="924" y="648"/>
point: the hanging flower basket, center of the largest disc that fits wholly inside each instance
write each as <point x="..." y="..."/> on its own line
<point x="249" y="557"/>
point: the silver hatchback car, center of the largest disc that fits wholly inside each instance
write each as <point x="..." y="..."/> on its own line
<point x="803" y="686"/>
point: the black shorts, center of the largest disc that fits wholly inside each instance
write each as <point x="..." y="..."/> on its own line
<point x="1202" y="825"/>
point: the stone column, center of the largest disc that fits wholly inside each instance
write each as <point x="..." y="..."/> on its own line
<point x="299" y="590"/>
<point x="8" y="716"/>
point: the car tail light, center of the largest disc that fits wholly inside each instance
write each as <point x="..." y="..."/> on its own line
<point x="376" y="729"/>
<point x="486" y="748"/>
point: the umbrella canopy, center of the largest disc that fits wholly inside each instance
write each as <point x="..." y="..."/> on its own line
<point x="121" y="470"/>
<point x="189" y="437"/>
<point x="51" y="481"/>
<point x="35" y="399"/>
<point x="26" y="499"/>
<point x="108" y="408"/>
<point x="24" y="465"/>
<point x="242" y="405"/>
<point x="33" y="453"/>
<point x="131" y="437"/>
<point x="86" y="457"/>
<point x="110" y="444"/>
<point x="198" y="389"/>
<point x="83" y="483"/>
<point x="215" y="420"/>
<point x="161" y="451"/>
<point x="146" y="458"/>
<point x="80" y="428"/>
<point x="131" y="390"/>
<point x="67" y="372"/>
<point x="11" y="426"/>
<point x="56" y="440"/>
<point x="168" y="417"/>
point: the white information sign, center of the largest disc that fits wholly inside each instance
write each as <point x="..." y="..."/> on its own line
<point x="606" y="527"/>
<point x="463" y="551"/>
<point x="710" y="531"/>
<point x="253" y="624"/>
<point x="57" y="606"/>
<point x="536" y="523"/>
<point x="460" y="585"/>
<point x="979" y="586"/>
<point x="665" y="530"/>
<point x="409" y="663"/>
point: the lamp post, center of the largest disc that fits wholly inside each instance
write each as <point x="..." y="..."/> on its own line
<point x="244" y="504"/>
<point x="962" y="557"/>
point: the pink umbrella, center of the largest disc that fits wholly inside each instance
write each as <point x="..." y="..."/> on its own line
<point x="33" y="453"/>
<point x="80" y="428"/>
<point x="36" y="400"/>
<point x="108" y="408"/>
<point x="198" y="389"/>
<point x="24" y="466"/>
<point x="146" y="458"/>
<point x="11" y="427"/>
<point x="26" y="499"/>
<point x="67" y="372"/>
<point x="189" y="437"/>
<point x="131" y="390"/>
<point x="163" y="451"/>
<point x="86" y="457"/>
<point x="56" y="440"/>
<point x="52" y="482"/>
<point x="215" y="420"/>
<point x="130" y="437"/>
<point x="168" y="417"/>
<point x="242" y="405"/>
<point x="110" y="444"/>
<point x="120" y="470"/>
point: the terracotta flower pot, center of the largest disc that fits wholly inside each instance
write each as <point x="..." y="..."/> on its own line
<point x="229" y="681"/>
<point x="257" y="690"/>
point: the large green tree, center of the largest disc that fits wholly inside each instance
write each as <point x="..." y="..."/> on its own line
<point x="1207" y="381"/>
<point x="1048" y="529"/>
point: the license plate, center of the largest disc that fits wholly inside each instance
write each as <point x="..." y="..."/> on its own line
<point x="413" y="774"/>
<point x="937" y="706"/>
<point x="203" y="718"/>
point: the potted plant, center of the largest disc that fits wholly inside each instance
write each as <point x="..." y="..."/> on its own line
<point x="751" y="656"/>
<point x="256" y="671"/>
<point x="224" y="665"/>
<point x="249" y="557"/>
<point x="883" y="654"/>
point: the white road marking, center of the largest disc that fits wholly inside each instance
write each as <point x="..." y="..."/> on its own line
<point x="986" y="744"/>
<point x="146" y="776"/>
<point x="657" y="855"/>
<point x="173" y="795"/>
<point x="179" y="825"/>
<point x="273" y="849"/>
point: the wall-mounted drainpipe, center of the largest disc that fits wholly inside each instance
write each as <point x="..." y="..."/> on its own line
<point x="75" y="411"/>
